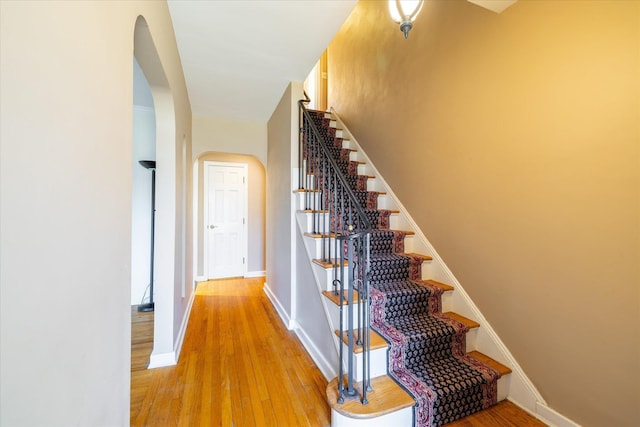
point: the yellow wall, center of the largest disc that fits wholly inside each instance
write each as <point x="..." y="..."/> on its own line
<point x="513" y="140"/>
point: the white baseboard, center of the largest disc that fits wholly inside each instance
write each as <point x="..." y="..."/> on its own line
<point x="321" y="362"/>
<point x="171" y="358"/>
<point x="200" y="279"/>
<point x="257" y="273"/>
<point x="279" y="308"/>
<point x="183" y="327"/>
<point x="161" y="360"/>
<point x="553" y="418"/>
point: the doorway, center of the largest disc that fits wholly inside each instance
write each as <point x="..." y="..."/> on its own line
<point x="315" y="85"/>
<point x="225" y="224"/>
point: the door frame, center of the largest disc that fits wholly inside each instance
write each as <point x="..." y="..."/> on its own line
<point x="205" y="215"/>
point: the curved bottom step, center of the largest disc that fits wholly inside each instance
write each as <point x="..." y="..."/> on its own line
<point x="389" y="405"/>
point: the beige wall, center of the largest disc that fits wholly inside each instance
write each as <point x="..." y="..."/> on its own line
<point x="282" y="158"/>
<point x="229" y="140"/>
<point x="513" y="140"/>
<point x="229" y="136"/>
<point x="66" y="105"/>
<point x="256" y="208"/>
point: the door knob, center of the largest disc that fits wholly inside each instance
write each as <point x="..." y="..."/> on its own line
<point x="212" y="227"/>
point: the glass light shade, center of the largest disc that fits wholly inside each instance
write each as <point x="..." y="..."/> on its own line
<point x="404" y="10"/>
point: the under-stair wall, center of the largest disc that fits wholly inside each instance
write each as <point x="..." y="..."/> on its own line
<point x="311" y="324"/>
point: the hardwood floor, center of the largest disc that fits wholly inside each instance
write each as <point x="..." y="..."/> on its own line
<point x="504" y="414"/>
<point x="240" y="366"/>
<point x="141" y="347"/>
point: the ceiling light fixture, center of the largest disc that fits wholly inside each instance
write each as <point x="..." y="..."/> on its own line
<point x="404" y="12"/>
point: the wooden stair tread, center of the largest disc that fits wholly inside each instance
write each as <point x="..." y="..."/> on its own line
<point x="499" y="367"/>
<point x="441" y="285"/>
<point x="470" y="323"/>
<point x="424" y="257"/>
<point x="304" y="190"/>
<point x="376" y="341"/>
<point x="335" y="298"/>
<point x="330" y="263"/>
<point x="320" y="235"/>
<point x="385" y="398"/>
<point x="393" y="211"/>
<point x="311" y="211"/>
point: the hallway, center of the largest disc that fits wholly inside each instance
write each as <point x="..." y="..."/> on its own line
<point x="238" y="366"/>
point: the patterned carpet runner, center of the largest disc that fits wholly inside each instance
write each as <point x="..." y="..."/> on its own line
<point x="427" y="349"/>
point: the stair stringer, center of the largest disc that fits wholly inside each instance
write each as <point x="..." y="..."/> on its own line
<point x="520" y="389"/>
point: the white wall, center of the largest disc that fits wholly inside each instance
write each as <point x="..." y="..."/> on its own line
<point x="144" y="140"/>
<point x="144" y="148"/>
<point x="65" y="184"/>
<point x="173" y="281"/>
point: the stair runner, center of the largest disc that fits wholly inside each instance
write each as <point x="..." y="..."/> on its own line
<point x="427" y="354"/>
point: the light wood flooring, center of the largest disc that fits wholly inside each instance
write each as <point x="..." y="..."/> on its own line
<point x="240" y="366"/>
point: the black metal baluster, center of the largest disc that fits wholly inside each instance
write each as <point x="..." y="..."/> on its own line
<point x="366" y="386"/>
<point x="338" y="213"/>
<point x="351" y="391"/>
<point x="341" y="345"/>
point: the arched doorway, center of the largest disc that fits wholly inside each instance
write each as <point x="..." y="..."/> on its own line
<point x="166" y="213"/>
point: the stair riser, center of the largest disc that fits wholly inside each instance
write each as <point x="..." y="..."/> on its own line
<point x="334" y="316"/>
<point x="471" y="339"/>
<point x="310" y="200"/>
<point x="307" y="220"/>
<point x="503" y="387"/>
<point x="446" y="300"/>
<point x="378" y="360"/>
<point x="315" y="246"/>
<point x="310" y="221"/>
<point x="325" y="276"/>
<point x="339" y="132"/>
<point x="306" y="200"/>
<point x="403" y="417"/>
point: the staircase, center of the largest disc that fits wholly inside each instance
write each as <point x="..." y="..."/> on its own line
<point x="418" y="364"/>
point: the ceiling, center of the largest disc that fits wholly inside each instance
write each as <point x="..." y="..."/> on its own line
<point x="239" y="56"/>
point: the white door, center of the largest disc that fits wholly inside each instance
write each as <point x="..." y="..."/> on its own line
<point x="225" y="219"/>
